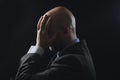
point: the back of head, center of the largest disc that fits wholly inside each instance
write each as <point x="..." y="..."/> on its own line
<point x="62" y="18"/>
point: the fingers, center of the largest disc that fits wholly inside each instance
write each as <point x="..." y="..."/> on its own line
<point x="43" y="38"/>
<point x="39" y="22"/>
<point x="47" y="26"/>
<point x="43" y="22"/>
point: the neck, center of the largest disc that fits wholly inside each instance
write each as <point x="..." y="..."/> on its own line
<point x="69" y="40"/>
<point x="63" y="43"/>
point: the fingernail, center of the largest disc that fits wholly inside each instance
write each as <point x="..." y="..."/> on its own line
<point x="44" y="15"/>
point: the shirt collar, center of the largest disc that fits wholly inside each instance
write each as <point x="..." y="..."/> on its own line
<point x="73" y="42"/>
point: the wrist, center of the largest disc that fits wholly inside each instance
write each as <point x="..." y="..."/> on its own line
<point x="36" y="49"/>
<point x="39" y="45"/>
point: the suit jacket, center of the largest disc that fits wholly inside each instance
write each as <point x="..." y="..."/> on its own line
<point x="74" y="63"/>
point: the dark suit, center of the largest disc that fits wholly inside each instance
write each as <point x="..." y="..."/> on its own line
<point x="74" y="63"/>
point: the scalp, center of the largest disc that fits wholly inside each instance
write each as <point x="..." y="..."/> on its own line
<point x="62" y="17"/>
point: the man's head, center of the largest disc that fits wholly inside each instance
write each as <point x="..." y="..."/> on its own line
<point x="63" y="25"/>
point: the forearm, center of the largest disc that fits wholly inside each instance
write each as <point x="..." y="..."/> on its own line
<point x="30" y="63"/>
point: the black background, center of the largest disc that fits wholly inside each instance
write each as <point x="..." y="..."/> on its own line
<point x="98" y="21"/>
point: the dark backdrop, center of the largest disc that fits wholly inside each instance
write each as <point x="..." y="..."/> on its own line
<point x="98" y="21"/>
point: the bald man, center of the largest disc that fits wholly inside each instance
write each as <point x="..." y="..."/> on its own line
<point x="56" y="29"/>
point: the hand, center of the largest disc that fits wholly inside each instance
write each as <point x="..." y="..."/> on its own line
<point x="43" y="25"/>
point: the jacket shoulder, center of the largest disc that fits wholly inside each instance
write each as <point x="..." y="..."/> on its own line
<point x="72" y="61"/>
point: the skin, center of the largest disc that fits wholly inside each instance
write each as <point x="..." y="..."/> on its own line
<point x="56" y="28"/>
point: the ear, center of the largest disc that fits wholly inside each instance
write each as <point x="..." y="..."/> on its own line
<point x="66" y="30"/>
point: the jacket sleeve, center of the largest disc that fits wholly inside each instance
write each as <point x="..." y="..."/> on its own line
<point x="33" y="68"/>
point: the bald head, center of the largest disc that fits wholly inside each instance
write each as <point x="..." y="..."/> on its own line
<point x="62" y="17"/>
<point x="62" y="23"/>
